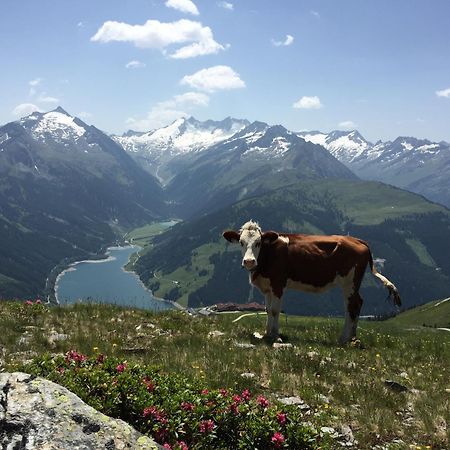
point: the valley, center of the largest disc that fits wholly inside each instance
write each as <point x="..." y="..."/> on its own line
<point x="59" y="204"/>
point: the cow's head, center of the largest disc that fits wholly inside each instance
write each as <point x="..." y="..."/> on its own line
<point x="251" y="238"/>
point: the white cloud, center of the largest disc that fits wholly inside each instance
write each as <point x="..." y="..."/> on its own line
<point x="226" y="5"/>
<point x="159" y="35"/>
<point x="191" y="99"/>
<point x="24" y="109"/>
<point x="308" y="103"/>
<point x="186" y="6"/>
<point x="164" y="113"/>
<point x="315" y="14"/>
<point x="134" y="65"/>
<point x="288" y="41"/>
<point x="35" y="82"/>
<point x="47" y="98"/>
<point x="214" y="79"/>
<point x="80" y="24"/>
<point x="444" y="93"/>
<point x="347" y="124"/>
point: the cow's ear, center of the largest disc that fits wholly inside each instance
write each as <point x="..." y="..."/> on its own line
<point x="231" y="236"/>
<point x="269" y="237"/>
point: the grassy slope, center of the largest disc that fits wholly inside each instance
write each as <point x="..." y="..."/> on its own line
<point x="341" y="385"/>
<point x="358" y="207"/>
<point x="434" y="314"/>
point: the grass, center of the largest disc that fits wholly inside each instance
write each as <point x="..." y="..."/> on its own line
<point x="190" y="277"/>
<point x="434" y="314"/>
<point x="421" y="251"/>
<point x="340" y="385"/>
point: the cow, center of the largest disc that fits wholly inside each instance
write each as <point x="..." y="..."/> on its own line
<point x="309" y="263"/>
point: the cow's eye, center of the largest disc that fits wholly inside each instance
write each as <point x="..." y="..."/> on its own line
<point x="242" y="244"/>
<point x="258" y="244"/>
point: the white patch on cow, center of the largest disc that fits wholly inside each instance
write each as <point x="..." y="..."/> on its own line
<point x="250" y="240"/>
<point x="284" y="239"/>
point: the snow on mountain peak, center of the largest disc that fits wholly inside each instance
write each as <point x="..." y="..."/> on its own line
<point x="57" y="125"/>
<point x="182" y="136"/>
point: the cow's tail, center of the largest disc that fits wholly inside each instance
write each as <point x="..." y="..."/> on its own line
<point x="393" y="291"/>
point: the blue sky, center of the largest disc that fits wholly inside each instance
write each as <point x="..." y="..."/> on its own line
<point x="382" y="67"/>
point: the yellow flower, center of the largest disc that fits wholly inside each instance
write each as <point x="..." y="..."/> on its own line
<point x="95" y="349"/>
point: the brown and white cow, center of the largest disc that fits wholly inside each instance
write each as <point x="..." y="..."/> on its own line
<point x="279" y="261"/>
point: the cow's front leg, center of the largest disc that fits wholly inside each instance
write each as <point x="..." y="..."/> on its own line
<point x="273" y="308"/>
<point x="269" y="323"/>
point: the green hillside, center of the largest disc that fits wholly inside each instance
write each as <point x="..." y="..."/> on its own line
<point x="191" y="263"/>
<point x="434" y="314"/>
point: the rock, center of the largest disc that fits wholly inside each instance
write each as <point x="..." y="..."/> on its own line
<point x="294" y="401"/>
<point x="39" y="414"/>
<point x="330" y="431"/>
<point x="244" y="345"/>
<point x="394" y="386"/>
<point x="215" y="334"/>
<point x="282" y="345"/>
<point x="248" y="375"/>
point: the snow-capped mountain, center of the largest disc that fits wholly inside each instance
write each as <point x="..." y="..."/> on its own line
<point x="257" y="159"/>
<point x="156" y="149"/>
<point x="343" y="145"/>
<point x="419" y="165"/>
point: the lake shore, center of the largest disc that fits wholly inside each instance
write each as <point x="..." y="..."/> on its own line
<point x="107" y="257"/>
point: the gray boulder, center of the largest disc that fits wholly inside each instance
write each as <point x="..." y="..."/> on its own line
<point x="39" y="414"/>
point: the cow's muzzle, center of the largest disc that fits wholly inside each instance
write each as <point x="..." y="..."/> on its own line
<point x="249" y="264"/>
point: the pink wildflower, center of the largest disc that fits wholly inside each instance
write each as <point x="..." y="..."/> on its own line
<point x="38" y="301"/>
<point x="28" y="302"/>
<point x="278" y="439"/>
<point x="60" y="370"/>
<point x="156" y="414"/>
<point x="281" y="417"/>
<point x="246" y="395"/>
<point x="187" y="406"/>
<point x="234" y="408"/>
<point x="73" y="355"/>
<point x="182" y="445"/>
<point x="236" y="398"/>
<point x="167" y="446"/>
<point x="206" y="426"/>
<point x="121" y="367"/>
<point x="262" y="401"/>
<point x="100" y="358"/>
<point x="223" y="392"/>
<point x="205" y="392"/>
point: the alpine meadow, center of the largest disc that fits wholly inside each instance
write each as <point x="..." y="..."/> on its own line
<point x="225" y="225"/>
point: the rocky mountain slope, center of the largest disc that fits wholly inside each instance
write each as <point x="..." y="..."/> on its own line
<point x="257" y="159"/>
<point x="163" y="151"/>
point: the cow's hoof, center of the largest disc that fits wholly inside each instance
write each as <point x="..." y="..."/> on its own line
<point x="257" y="335"/>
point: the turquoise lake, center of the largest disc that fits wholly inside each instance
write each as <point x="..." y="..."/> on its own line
<point x="106" y="281"/>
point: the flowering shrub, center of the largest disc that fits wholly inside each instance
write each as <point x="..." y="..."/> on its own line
<point x="179" y="413"/>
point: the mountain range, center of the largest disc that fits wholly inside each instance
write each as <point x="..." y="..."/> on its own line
<point x="418" y="165"/>
<point x="67" y="189"/>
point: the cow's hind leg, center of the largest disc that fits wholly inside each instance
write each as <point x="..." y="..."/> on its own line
<point x="353" y="308"/>
<point x="353" y="303"/>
